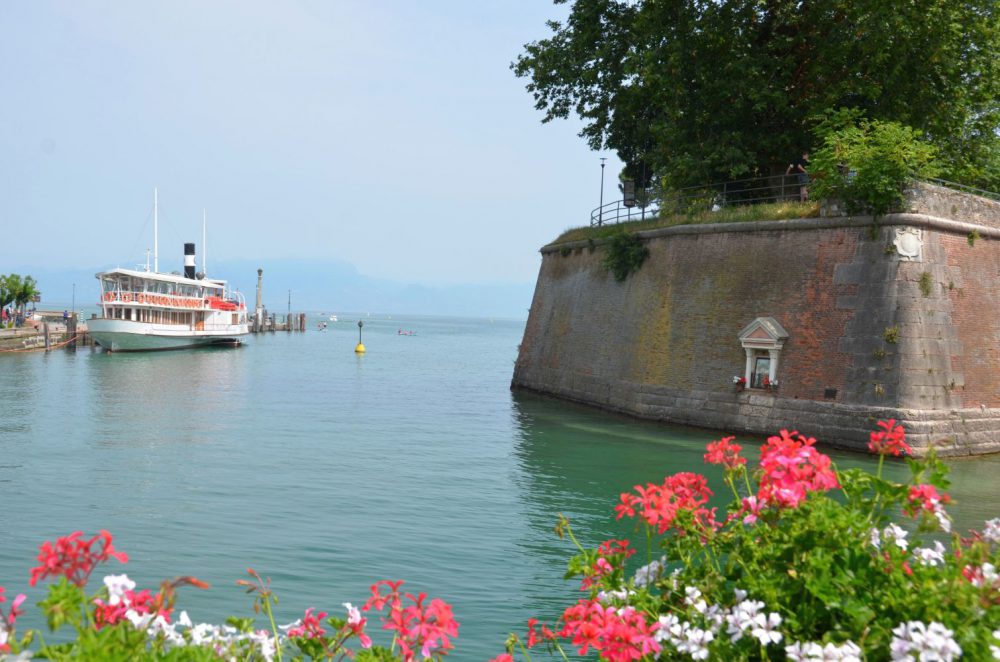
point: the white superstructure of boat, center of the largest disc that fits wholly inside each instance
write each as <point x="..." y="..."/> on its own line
<point x="149" y="311"/>
<point x="144" y="310"/>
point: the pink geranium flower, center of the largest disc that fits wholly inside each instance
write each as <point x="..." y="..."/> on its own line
<point x="791" y="468"/>
<point x="725" y="452"/>
<point x="890" y="441"/>
<point x="659" y="505"/>
<point x="542" y="634"/>
<point x="8" y="620"/>
<point x="619" y="635"/>
<point x="309" y="626"/>
<point x="427" y="630"/>
<point x="74" y="558"/>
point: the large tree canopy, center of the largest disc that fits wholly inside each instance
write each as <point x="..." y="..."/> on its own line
<point x="701" y="90"/>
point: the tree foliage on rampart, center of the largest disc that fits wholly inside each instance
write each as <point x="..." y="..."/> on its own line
<point x="701" y="91"/>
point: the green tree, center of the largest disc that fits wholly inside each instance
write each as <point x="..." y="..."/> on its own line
<point x="6" y="291"/>
<point x="866" y="163"/>
<point x="17" y="290"/>
<point x="27" y="290"/>
<point x="729" y="88"/>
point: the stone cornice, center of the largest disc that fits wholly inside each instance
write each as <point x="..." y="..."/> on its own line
<point x="799" y="224"/>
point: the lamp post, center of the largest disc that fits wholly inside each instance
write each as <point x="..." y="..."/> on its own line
<point x="600" y="209"/>
<point x="73" y="307"/>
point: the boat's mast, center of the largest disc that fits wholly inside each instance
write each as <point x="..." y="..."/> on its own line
<point x="204" y="243"/>
<point x="156" y="247"/>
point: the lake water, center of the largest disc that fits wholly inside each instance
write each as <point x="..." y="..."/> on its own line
<point x="327" y="471"/>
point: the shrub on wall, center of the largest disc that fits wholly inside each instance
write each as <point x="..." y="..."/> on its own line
<point x="625" y="253"/>
<point x="867" y="163"/>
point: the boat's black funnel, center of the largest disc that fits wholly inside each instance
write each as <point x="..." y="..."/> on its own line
<point x="189" y="260"/>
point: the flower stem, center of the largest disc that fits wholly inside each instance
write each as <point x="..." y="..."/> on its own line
<point x="274" y="628"/>
<point x="524" y="650"/>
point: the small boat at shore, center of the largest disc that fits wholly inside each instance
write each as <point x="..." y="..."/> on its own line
<point x="143" y="310"/>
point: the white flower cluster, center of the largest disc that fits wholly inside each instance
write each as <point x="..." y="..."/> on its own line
<point x="991" y="532"/>
<point x="813" y="652"/>
<point x="612" y="597"/>
<point x="893" y="534"/>
<point x="685" y="637"/>
<point x="648" y="574"/>
<point x="944" y="521"/>
<point x="221" y="639"/>
<point x="932" y="557"/>
<point x="747" y="616"/>
<point x="117" y="586"/>
<point x="995" y="649"/>
<point x="916" y="641"/>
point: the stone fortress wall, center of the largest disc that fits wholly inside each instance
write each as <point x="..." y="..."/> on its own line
<point x="859" y="323"/>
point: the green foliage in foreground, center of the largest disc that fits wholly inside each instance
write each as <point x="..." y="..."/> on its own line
<point x="807" y="563"/>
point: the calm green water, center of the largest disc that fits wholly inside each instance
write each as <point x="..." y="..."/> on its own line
<point x="327" y="471"/>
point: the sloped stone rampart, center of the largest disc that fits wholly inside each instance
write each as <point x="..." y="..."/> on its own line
<point x="872" y="334"/>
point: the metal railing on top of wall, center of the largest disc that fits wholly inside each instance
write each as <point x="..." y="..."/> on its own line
<point x="754" y="190"/>
<point x="965" y="189"/>
<point x="751" y="191"/>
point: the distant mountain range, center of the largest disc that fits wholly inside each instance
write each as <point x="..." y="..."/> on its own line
<point x="328" y="286"/>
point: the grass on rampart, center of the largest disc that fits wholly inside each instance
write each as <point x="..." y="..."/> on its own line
<point x="775" y="211"/>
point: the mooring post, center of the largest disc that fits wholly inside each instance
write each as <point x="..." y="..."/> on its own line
<point x="71" y="331"/>
<point x="45" y="331"/>
<point x="258" y="320"/>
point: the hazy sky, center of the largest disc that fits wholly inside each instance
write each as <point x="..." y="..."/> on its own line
<point x="389" y="134"/>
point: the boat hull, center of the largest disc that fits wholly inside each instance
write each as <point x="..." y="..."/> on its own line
<point x="129" y="336"/>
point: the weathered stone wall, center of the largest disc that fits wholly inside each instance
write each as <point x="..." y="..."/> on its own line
<point x="875" y="332"/>
<point x="942" y="202"/>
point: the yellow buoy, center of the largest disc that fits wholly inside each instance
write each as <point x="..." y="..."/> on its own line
<point x="359" y="348"/>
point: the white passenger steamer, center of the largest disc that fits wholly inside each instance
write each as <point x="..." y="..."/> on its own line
<point x="144" y="310"/>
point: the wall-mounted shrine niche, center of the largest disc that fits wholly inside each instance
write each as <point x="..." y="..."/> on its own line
<point x="762" y="340"/>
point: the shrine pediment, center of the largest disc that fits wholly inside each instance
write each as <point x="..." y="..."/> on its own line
<point x="763" y="332"/>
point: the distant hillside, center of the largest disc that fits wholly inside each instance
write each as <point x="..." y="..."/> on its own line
<point x="316" y="286"/>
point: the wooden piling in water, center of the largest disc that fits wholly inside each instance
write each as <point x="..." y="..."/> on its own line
<point x="71" y="331"/>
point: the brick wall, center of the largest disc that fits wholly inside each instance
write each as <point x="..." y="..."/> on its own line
<point x="664" y="344"/>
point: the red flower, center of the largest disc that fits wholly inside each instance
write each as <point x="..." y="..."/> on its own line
<point x="74" y="558"/>
<point x="614" y="547"/>
<point x="725" y="453"/>
<point x="7" y="622"/>
<point x="926" y="498"/>
<point x="792" y="467"/>
<point x="618" y="635"/>
<point x="534" y="636"/>
<point x="890" y="441"/>
<point x="142" y="602"/>
<point x="419" y="629"/>
<point x="503" y="657"/>
<point x="309" y="627"/>
<point x="377" y="600"/>
<point x="684" y="492"/>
